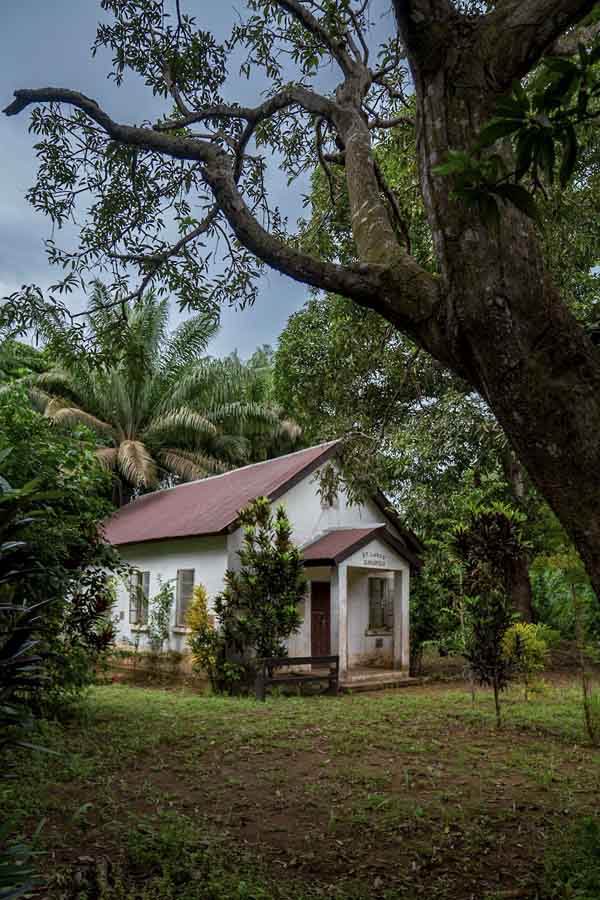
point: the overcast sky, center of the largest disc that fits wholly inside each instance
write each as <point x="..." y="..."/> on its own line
<point x="46" y="42"/>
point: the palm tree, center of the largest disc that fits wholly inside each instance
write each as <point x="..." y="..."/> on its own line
<point x="160" y="409"/>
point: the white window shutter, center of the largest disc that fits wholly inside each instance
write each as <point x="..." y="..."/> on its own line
<point x="185" y="589"/>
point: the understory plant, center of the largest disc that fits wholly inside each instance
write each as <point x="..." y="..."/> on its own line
<point x="24" y="658"/>
<point x="258" y="607"/>
<point x="203" y="640"/>
<point x="524" y="647"/>
<point x="70" y="563"/>
<point x="488" y="545"/>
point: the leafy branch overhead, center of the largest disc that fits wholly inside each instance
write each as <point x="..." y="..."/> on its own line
<point x="184" y="203"/>
<point x="542" y="120"/>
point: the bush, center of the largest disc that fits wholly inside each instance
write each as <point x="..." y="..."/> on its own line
<point x="70" y="563"/>
<point x="258" y="608"/>
<point x="527" y="652"/>
<point x="488" y="546"/>
<point x="203" y="641"/>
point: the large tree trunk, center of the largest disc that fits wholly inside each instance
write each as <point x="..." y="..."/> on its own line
<point x="508" y="327"/>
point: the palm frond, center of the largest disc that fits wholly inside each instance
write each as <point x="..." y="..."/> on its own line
<point x="188" y="343"/>
<point x="72" y="415"/>
<point x="183" y="424"/>
<point x="290" y="429"/>
<point x="190" y="466"/>
<point x="212" y="382"/>
<point x="242" y="412"/>
<point x="108" y="457"/>
<point x="56" y="381"/>
<point x="136" y="464"/>
<point x="38" y="399"/>
<point x="233" y="447"/>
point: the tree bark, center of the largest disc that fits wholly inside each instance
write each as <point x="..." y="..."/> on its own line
<point x="505" y="321"/>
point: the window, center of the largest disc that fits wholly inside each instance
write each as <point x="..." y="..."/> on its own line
<point x="139" y="590"/>
<point x="185" y="589"/>
<point x="381" y="608"/>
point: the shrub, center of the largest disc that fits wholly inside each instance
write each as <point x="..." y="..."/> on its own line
<point x="258" y="608"/>
<point x="488" y="546"/>
<point x="159" y="616"/>
<point x="526" y="650"/>
<point x="203" y="641"/>
<point x="71" y="565"/>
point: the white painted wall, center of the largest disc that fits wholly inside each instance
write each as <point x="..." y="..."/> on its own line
<point x="310" y="518"/>
<point x="207" y="556"/>
<point x="362" y="644"/>
<point x="211" y="556"/>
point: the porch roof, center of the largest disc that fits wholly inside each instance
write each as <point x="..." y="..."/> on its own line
<point x="336" y="546"/>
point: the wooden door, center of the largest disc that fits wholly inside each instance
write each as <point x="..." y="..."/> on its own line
<point x="320" y="615"/>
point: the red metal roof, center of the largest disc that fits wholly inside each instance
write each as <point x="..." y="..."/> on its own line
<point x="211" y="505"/>
<point x="336" y="546"/>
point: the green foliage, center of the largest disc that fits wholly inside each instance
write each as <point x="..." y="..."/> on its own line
<point x="546" y="121"/>
<point x="434" y="605"/>
<point x="204" y="641"/>
<point x="258" y="607"/>
<point x="17" y="874"/>
<point x="572" y="869"/>
<point x="18" y="360"/>
<point x="526" y="650"/>
<point x="159" y="616"/>
<point x="157" y="406"/>
<point x="68" y="563"/>
<point x="488" y="545"/>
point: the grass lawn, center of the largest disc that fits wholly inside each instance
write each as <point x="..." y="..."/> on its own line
<point x="161" y="794"/>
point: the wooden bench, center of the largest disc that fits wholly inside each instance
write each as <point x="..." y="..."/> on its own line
<point x="266" y="675"/>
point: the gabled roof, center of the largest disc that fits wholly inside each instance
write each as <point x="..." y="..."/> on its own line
<point x="211" y="506"/>
<point x="335" y="546"/>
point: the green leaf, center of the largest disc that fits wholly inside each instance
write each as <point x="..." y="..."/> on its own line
<point x="547" y="156"/>
<point x="569" y="158"/>
<point x="456" y="162"/>
<point x="509" y="107"/>
<point x="521" y="96"/>
<point x="496" y="129"/>
<point x="558" y="64"/>
<point x="525" y="150"/>
<point x="521" y="198"/>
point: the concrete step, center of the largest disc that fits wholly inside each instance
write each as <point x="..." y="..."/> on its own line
<point x="375" y="681"/>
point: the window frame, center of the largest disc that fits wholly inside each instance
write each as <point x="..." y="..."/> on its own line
<point x="179" y="619"/>
<point x="139" y="594"/>
<point x="383" y="622"/>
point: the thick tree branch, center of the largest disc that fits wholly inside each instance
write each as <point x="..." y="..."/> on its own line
<point x="521" y="31"/>
<point x="389" y="281"/>
<point x="567" y="44"/>
<point x="145" y="138"/>
<point x="422" y="28"/>
<point x="395" y="121"/>
<point x="293" y="95"/>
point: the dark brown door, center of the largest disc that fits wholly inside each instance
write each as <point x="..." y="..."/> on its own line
<point x="320" y="612"/>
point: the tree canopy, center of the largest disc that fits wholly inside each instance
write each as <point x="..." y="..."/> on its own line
<point x="493" y="114"/>
<point x="159" y="406"/>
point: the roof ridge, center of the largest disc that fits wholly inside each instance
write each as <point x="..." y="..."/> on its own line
<point x="254" y="465"/>
<point x="261" y="462"/>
